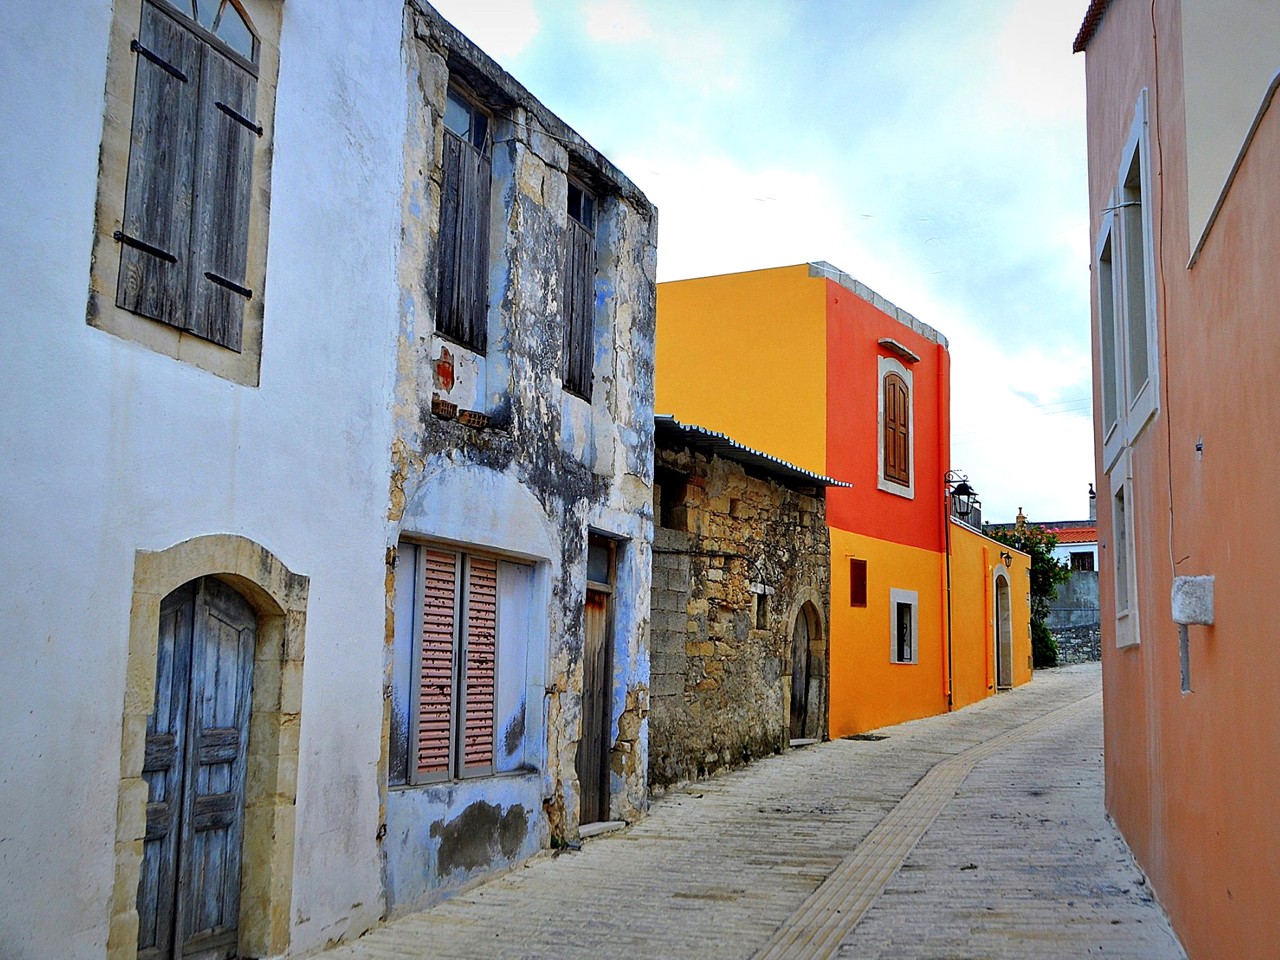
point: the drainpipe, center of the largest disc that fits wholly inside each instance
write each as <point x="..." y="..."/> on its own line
<point x="944" y="461"/>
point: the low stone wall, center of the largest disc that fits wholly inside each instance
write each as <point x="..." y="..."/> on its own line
<point x="735" y="559"/>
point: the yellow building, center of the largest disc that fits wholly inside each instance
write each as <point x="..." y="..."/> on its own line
<point x="808" y="364"/>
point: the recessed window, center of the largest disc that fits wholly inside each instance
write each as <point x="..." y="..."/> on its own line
<point x="466" y="177"/>
<point x="904" y="625"/>
<point x="1082" y="560"/>
<point x="578" y="280"/>
<point x="896" y="422"/>
<point x="762" y="611"/>
<point x="857" y="583"/>
<point x="175" y="264"/>
<point x="460" y="661"/>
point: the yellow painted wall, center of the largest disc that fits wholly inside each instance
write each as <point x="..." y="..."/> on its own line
<point x="746" y="354"/>
<point x="974" y="559"/>
<point x="867" y="689"/>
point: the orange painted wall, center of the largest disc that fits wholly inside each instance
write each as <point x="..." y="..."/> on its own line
<point x="744" y="354"/>
<point x="1193" y="779"/>
<point x="975" y="560"/>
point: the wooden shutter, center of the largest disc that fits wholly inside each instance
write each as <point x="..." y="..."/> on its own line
<point x="857" y="583"/>
<point x="463" y="285"/>
<point x="223" y="179"/>
<point x="578" y="278"/>
<point x="434" y="725"/>
<point x="897" y="427"/>
<point x="481" y="664"/>
<point x="155" y="232"/>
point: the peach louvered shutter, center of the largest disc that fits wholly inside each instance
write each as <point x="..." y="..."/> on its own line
<point x="481" y="665"/>
<point x="435" y="678"/>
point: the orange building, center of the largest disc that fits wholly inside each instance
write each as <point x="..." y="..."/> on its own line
<point x="1184" y="165"/>
<point x="811" y="366"/>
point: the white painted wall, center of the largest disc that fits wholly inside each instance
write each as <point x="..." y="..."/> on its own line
<point x="109" y="448"/>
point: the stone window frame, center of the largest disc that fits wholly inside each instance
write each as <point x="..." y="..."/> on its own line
<point x="1122" y="547"/>
<point x="884" y="367"/>
<point x="911" y="598"/>
<point x="280" y="598"/>
<point x="243" y="367"/>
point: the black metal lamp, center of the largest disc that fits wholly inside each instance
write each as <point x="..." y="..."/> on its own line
<point x="963" y="496"/>
<point x="1007" y="558"/>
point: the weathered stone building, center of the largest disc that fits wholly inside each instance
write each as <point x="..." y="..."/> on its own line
<point x="741" y="581"/>
<point x="518" y="570"/>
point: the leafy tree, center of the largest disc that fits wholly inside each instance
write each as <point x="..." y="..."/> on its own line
<point x="1046" y="574"/>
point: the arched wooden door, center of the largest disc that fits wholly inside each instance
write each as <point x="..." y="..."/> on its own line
<point x="807" y="674"/>
<point x="195" y="765"/>
<point x="1004" y="635"/>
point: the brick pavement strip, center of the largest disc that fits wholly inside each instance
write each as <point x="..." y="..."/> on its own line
<point x="721" y="866"/>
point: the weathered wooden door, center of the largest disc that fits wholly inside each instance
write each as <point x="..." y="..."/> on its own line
<point x="195" y="765"/>
<point x="800" y="676"/>
<point x="593" y="748"/>
<point x="1004" y="635"/>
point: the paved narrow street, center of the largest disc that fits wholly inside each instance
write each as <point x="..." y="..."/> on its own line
<point x="978" y="834"/>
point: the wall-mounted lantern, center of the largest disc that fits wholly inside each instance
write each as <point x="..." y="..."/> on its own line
<point x="1007" y="558"/>
<point x="963" y="497"/>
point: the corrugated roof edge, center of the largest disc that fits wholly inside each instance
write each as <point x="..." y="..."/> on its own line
<point x="1092" y="17"/>
<point x="725" y="446"/>
<point x="820" y="268"/>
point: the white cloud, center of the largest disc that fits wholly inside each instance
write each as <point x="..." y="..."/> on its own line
<point x="616" y="21"/>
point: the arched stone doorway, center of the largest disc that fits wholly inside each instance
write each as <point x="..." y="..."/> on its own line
<point x="808" y="675"/>
<point x="258" y="628"/>
<point x="1004" y="634"/>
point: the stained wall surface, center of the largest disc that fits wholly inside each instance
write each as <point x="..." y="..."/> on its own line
<point x="1191" y="777"/>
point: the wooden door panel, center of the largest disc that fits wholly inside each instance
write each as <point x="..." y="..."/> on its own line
<point x="593" y="746"/>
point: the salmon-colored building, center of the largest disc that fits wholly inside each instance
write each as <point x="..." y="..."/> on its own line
<point x="1184" y="203"/>
<point x="809" y="365"/>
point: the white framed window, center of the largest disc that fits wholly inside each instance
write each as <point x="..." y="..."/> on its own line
<point x="904" y="626"/>
<point x="1123" y="567"/>
<point x="462" y="664"/>
<point x="897" y="429"/>
<point x="1125" y="277"/>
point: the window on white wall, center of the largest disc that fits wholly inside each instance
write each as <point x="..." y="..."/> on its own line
<point x="904" y="626"/>
<point x="896" y="421"/>
<point x="1125" y="278"/>
<point x="461" y="664"/>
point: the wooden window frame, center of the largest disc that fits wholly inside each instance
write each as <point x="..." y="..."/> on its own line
<point x="578" y="273"/>
<point x="1127" y="324"/>
<point x="462" y="262"/>
<point x="887" y="368"/>
<point x="465" y="562"/>
<point x="238" y="362"/>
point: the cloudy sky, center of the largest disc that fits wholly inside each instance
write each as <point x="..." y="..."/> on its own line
<point x="934" y="149"/>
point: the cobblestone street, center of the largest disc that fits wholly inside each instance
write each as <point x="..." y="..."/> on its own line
<point x="977" y="834"/>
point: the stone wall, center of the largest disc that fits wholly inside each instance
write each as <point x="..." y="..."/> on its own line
<point x="732" y="552"/>
<point x="1074" y="618"/>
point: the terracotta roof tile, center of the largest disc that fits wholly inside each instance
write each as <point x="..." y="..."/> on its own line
<point x="1092" y="17"/>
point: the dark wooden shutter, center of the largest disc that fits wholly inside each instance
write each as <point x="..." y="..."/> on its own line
<point x="155" y="234"/>
<point x="435" y="679"/>
<point x="897" y="427"/>
<point x="481" y="665"/>
<point x="223" y="181"/>
<point x="463" y="284"/>
<point x="857" y="583"/>
<point x="578" y="283"/>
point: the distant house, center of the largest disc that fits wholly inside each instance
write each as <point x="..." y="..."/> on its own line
<point x="741" y="604"/>
<point x="1073" y="613"/>
<point x="328" y="440"/>
<point x="1184" y="215"/>
<point x="812" y="366"/>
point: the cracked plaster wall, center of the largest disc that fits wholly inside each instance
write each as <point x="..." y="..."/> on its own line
<point x="540" y="470"/>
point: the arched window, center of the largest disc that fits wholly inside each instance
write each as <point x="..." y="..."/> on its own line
<point x="897" y="430"/>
